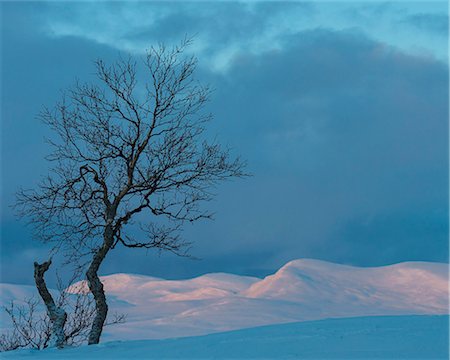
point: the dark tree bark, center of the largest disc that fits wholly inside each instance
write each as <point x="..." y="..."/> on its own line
<point x="57" y="315"/>
<point x="96" y="287"/>
<point x="132" y="164"/>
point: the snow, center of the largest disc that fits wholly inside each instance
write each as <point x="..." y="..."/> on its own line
<point x="314" y="309"/>
<point x="301" y="290"/>
<point x="397" y="337"/>
<point x="18" y="293"/>
<point x="418" y="286"/>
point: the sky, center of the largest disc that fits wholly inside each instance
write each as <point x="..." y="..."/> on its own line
<point x="339" y="108"/>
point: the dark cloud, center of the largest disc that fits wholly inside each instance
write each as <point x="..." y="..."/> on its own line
<point x="338" y="127"/>
<point x="346" y="137"/>
<point x="435" y="23"/>
<point x="388" y="234"/>
<point x="34" y="70"/>
<point x="217" y="24"/>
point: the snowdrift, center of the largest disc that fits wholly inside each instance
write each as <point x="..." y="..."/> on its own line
<point x="398" y="337"/>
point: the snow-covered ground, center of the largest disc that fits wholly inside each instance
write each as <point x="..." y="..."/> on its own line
<point x="397" y="337"/>
<point x="321" y="310"/>
<point x="301" y="290"/>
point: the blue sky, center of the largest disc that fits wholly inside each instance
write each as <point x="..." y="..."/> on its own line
<point x="341" y="110"/>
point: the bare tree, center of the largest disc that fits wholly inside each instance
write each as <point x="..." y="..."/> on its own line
<point x="57" y="314"/>
<point x="132" y="163"/>
<point x="33" y="327"/>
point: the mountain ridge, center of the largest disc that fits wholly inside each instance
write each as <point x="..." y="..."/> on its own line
<point x="301" y="290"/>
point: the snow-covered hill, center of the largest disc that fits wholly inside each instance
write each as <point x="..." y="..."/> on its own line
<point x="397" y="337"/>
<point x="301" y="290"/>
<point x="347" y="290"/>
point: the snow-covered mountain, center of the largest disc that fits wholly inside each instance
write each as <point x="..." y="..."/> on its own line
<point x="337" y="290"/>
<point x="301" y="290"/>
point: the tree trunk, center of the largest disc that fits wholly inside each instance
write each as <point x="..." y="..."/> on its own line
<point x="56" y="314"/>
<point x="96" y="287"/>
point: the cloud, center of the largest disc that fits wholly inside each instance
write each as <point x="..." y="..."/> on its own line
<point x="435" y="23"/>
<point x="219" y="28"/>
<point x="347" y="138"/>
<point x="224" y="28"/>
<point x="337" y="127"/>
<point x="388" y="234"/>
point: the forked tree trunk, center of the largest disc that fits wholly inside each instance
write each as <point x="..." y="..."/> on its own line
<point x="96" y="287"/>
<point x="56" y="314"/>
